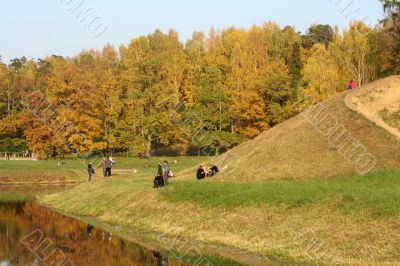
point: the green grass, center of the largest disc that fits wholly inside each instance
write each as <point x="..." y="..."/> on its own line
<point x="377" y="194"/>
<point x="74" y="170"/>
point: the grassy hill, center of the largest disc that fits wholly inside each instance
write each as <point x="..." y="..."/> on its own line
<point x="300" y="192"/>
<point x="313" y="144"/>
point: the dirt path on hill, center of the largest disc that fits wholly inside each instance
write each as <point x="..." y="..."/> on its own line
<point x="379" y="102"/>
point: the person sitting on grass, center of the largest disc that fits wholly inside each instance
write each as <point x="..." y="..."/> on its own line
<point x="212" y="170"/>
<point x="201" y="174"/>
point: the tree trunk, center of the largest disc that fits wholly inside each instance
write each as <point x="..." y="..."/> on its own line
<point x="148" y="146"/>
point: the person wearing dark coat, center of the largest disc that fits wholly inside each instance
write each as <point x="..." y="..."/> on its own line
<point x="159" y="170"/>
<point x="201" y="174"/>
<point x="212" y="170"/>
<point x="159" y="179"/>
<point x="90" y="170"/>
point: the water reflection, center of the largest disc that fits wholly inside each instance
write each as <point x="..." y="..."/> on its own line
<point x="33" y="235"/>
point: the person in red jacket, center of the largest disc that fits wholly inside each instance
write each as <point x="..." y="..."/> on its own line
<point x="352" y="85"/>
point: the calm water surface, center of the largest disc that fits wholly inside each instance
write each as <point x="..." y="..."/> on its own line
<point x="31" y="234"/>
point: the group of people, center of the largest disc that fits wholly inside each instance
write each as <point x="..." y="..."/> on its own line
<point x="209" y="172"/>
<point x="106" y="166"/>
<point x="164" y="172"/>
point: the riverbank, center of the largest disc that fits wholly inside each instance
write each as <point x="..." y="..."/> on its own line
<point x="349" y="220"/>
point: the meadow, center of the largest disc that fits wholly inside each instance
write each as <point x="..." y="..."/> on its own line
<point x="376" y="194"/>
<point x="72" y="170"/>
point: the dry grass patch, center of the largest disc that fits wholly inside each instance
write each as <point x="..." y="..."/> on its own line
<point x="379" y="101"/>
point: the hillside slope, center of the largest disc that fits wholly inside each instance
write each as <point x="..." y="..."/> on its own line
<point x="379" y="101"/>
<point x="328" y="140"/>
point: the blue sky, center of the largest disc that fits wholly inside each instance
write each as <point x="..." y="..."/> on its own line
<point x="43" y="27"/>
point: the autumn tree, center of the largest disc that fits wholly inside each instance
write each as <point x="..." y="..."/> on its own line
<point x="295" y="68"/>
<point x="195" y="51"/>
<point x="152" y="78"/>
<point x="322" y="76"/>
<point x="354" y="52"/>
<point x="317" y="33"/>
<point x="392" y="24"/>
<point x="208" y="95"/>
<point x="274" y="86"/>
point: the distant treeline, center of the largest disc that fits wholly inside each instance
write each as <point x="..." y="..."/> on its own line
<point x="207" y="95"/>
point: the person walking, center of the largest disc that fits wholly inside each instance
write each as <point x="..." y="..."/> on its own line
<point x="108" y="165"/>
<point x="90" y="170"/>
<point x="166" y="172"/>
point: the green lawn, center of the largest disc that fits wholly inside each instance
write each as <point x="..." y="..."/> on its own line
<point x="74" y="170"/>
<point x="377" y="194"/>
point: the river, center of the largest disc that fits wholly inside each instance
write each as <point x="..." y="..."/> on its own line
<point x="33" y="235"/>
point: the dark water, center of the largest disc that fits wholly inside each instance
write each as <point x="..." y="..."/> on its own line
<point x="34" y="235"/>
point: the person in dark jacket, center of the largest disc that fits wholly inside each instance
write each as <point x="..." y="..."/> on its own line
<point x="159" y="170"/>
<point x="212" y="170"/>
<point x="201" y="174"/>
<point x="158" y="179"/>
<point x="90" y="170"/>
